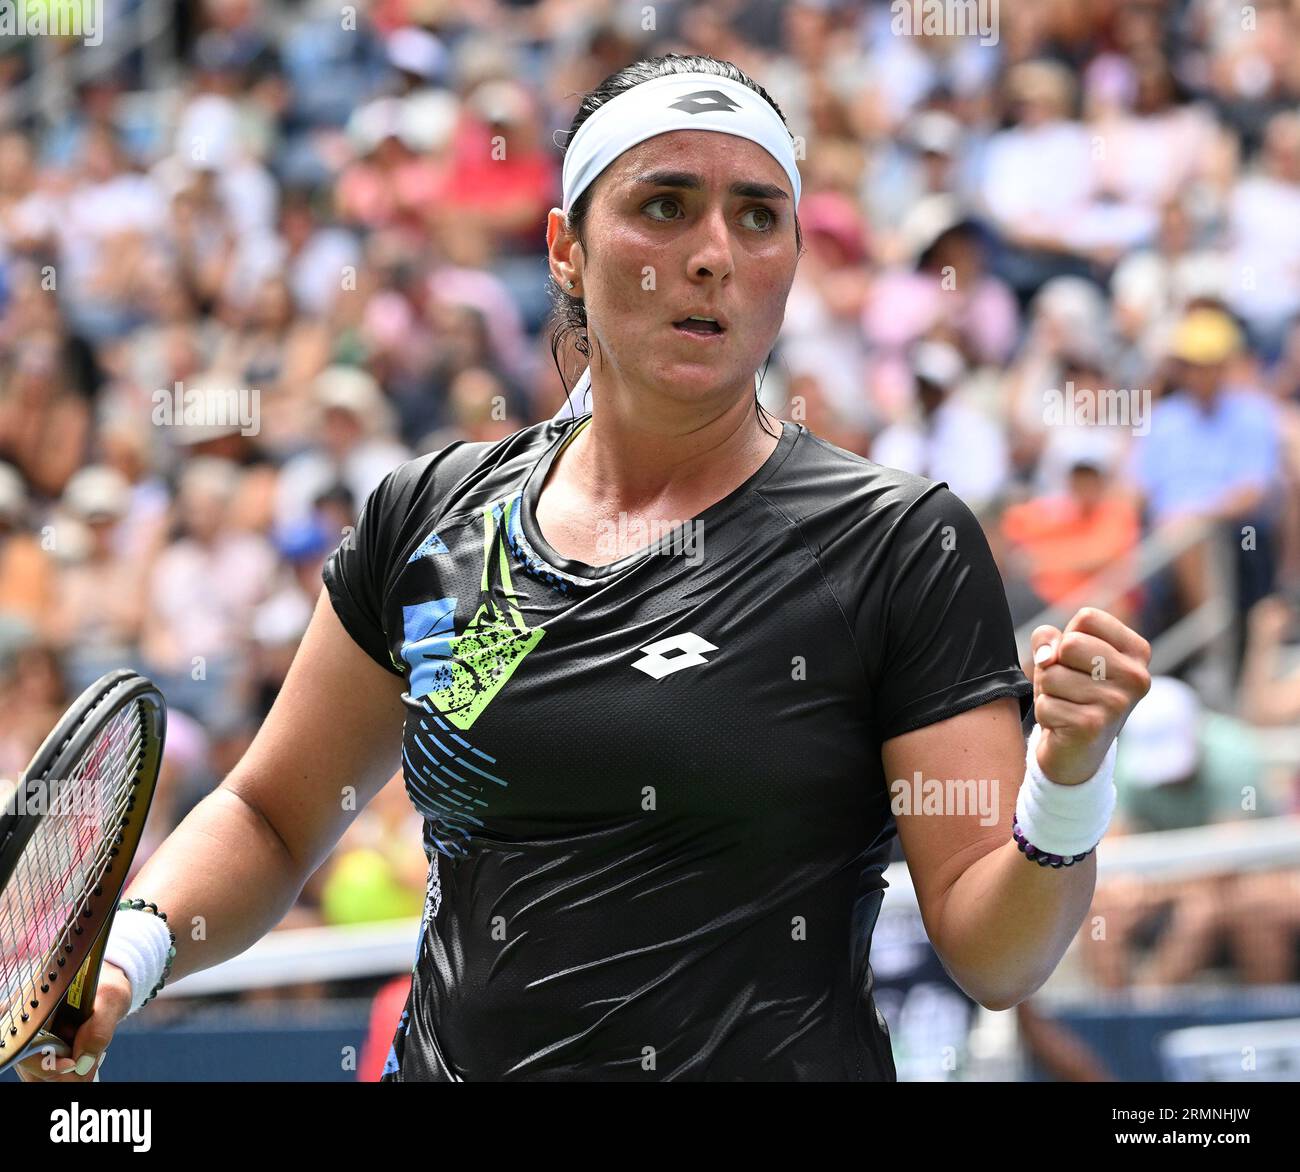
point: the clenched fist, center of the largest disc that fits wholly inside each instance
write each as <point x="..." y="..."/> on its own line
<point x="1087" y="679"/>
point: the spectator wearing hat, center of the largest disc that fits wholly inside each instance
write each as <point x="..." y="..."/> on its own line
<point x="502" y="181"/>
<point x="1084" y="422"/>
<point x="124" y="443"/>
<point x="1213" y="453"/>
<point x="1068" y="318"/>
<point x="944" y="438"/>
<point x="280" y="621"/>
<point x="1182" y="765"/>
<point x="97" y="606"/>
<point x="201" y="595"/>
<point x="945" y="286"/>
<point x="352" y="423"/>
<point x="390" y="182"/>
<point x="922" y="163"/>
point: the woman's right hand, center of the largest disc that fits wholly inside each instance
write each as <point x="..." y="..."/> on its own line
<point x="112" y="1002"/>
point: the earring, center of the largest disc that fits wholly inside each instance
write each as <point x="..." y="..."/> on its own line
<point x="568" y="284"/>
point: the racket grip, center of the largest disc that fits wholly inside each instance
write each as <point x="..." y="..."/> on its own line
<point x="80" y="999"/>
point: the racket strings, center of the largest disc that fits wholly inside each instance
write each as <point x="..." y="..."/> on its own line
<point x="40" y="885"/>
<point x="64" y="860"/>
<point x="108" y="760"/>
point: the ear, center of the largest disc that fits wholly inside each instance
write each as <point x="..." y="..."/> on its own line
<point x="565" y="254"/>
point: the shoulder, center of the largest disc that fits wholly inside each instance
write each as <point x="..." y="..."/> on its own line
<point x="465" y="474"/>
<point x="832" y="494"/>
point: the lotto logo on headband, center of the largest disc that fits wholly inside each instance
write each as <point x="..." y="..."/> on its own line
<point x="703" y="101"/>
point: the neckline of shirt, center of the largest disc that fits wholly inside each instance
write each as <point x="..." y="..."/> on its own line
<point x="572" y="568"/>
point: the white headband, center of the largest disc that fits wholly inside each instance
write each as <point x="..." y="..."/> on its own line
<point x="678" y="101"/>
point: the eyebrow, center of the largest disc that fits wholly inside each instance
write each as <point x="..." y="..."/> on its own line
<point x="686" y="179"/>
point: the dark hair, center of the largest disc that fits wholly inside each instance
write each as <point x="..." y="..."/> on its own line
<point x="570" y="311"/>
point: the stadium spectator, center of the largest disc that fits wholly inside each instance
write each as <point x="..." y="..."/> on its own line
<point x="1270" y="674"/>
<point x="97" y="607"/>
<point x="201" y="594"/>
<point x="1213" y="455"/>
<point x="26" y="573"/>
<point x="1069" y="539"/>
<point x="352" y="420"/>
<point x="44" y="423"/>
<point x="1038" y="178"/>
<point x="946" y="439"/>
<point x="1264" y="227"/>
<point x="1178" y="766"/>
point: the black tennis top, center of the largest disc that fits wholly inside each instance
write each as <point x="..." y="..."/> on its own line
<point x="655" y="810"/>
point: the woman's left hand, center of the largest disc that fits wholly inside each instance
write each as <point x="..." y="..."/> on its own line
<point x="1087" y="679"/>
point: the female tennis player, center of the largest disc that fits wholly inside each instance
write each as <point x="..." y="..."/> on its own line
<point x="660" y="778"/>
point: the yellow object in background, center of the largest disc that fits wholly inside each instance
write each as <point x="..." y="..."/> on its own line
<point x="363" y="888"/>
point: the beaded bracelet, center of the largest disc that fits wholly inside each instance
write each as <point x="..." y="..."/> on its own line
<point x="1042" y="858"/>
<point x="140" y="905"/>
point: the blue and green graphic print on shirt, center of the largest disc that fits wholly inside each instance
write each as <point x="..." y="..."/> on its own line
<point x="455" y="677"/>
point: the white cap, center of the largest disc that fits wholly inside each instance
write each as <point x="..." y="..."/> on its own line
<point x="347" y="388"/>
<point x="935" y="132"/>
<point x="1160" y="741"/>
<point x="500" y="101"/>
<point x="418" y="51"/>
<point x="97" y="491"/>
<point x="930" y="217"/>
<point x="1095" y="445"/>
<point x="938" y="362"/>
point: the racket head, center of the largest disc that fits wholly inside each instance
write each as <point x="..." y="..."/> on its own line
<point x="67" y="837"/>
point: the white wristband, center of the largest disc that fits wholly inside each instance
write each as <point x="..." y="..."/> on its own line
<point x="1065" y="819"/>
<point x="138" y="943"/>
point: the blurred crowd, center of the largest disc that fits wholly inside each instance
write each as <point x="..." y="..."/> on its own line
<point x="1060" y="272"/>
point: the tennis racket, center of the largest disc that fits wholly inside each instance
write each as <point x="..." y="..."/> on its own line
<point x="67" y="836"/>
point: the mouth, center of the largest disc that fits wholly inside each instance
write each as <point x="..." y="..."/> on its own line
<point x="695" y="327"/>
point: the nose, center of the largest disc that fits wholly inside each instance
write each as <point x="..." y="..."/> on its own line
<point x="711" y="247"/>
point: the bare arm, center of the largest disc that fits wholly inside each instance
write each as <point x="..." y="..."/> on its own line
<point x="999" y="923"/>
<point x="242" y="855"/>
<point x="236" y="864"/>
